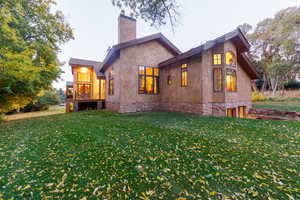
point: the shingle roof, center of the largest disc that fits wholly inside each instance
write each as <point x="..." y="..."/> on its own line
<point x="236" y="36"/>
<point x="114" y="52"/>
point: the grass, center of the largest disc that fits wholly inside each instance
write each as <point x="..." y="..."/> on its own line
<point x="52" y="111"/>
<point x="159" y="155"/>
<point x="293" y="106"/>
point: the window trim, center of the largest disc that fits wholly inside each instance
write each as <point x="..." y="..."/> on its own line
<point x="84" y="84"/>
<point x="236" y="80"/>
<point x="184" y="70"/>
<point x="244" y="111"/>
<point x="234" y="57"/>
<point x="169" y="80"/>
<point x="234" y="112"/>
<point x="213" y="59"/>
<point x="111" y="83"/>
<point x="155" y="80"/>
<point x="222" y="80"/>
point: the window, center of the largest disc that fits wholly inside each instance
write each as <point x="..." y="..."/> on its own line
<point x="242" y="111"/>
<point x="230" y="59"/>
<point x="83" y="76"/>
<point x="148" y="80"/>
<point x="184" y="77"/>
<point x="218" y="80"/>
<point x="217" y="59"/>
<point x="231" y="80"/>
<point x="84" y="91"/>
<point x="169" y="80"/>
<point x="111" y="83"/>
<point x="102" y="89"/>
<point x="231" y="112"/>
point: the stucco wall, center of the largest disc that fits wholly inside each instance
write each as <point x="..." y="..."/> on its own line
<point x="174" y="97"/>
<point x="126" y="77"/>
<point x="198" y="97"/>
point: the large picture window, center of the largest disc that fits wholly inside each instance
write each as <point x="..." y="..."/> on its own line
<point x="148" y="80"/>
<point x="111" y="83"/>
<point x="184" y="76"/>
<point x="83" y="76"/>
<point x="84" y="91"/>
<point x="218" y="80"/>
<point x="231" y="80"/>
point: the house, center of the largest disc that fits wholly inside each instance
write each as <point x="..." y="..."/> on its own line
<point x="151" y="73"/>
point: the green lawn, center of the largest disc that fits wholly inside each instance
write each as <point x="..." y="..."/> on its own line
<point x="279" y="105"/>
<point x="159" y="155"/>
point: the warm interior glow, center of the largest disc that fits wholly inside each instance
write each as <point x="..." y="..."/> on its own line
<point x="231" y="82"/>
<point x="230" y="60"/>
<point x="84" y="70"/>
<point x="184" y="75"/>
<point x="217" y="60"/>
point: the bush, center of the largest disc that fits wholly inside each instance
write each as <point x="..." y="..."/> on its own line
<point x="257" y="96"/>
<point x="292" y="85"/>
<point x="2" y="117"/>
<point x="50" y="97"/>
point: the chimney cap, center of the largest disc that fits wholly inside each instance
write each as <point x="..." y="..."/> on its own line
<point x="131" y="17"/>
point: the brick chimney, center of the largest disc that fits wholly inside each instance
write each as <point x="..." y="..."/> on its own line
<point x="127" y="28"/>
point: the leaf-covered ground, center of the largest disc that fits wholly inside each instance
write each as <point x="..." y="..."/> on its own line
<point x="160" y="155"/>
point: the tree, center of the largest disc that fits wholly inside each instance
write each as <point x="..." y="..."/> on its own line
<point x="62" y="95"/>
<point x="30" y="35"/>
<point x="158" y="12"/>
<point x="44" y="100"/>
<point x="274" y="46"/>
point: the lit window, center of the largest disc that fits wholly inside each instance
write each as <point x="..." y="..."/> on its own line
<point x="231" y="112"/>
<point x="84" y="91"/>
<point x="102" y="89"/>
<point x="242" y="111"/>
<point x="148" y="80"/>
<point x="217" y="59"/>
<point x="83" y="76"/>
<point x="111" y="83"/>
<point x="230" y="59"/>
<point x="169" y="80"/>
<point x="184" y="77"/>
<point x="231" y="80"/>
<point x="217" y="74"/>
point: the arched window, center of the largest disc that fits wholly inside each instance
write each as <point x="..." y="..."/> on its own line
<point x="230" y="59"/>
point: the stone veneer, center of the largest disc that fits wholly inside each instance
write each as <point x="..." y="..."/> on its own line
<point x="220" y="109"/>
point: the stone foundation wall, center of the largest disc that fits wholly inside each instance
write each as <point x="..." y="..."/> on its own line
<point x="183" y="107"/>
<point x="113" y="106"/>
<point x="219" y="109"/>
<point x="139" y="107"/>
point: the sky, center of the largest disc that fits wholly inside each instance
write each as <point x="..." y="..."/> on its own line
<point x="95" y="25"/>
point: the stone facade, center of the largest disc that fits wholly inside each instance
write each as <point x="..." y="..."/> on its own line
<point x="197" y="97"/>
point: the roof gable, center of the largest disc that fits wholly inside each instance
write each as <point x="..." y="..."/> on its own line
<point x="236" y="37"/>
<point x="114" y="52"/>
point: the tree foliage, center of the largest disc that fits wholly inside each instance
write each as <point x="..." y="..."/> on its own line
<point x="30" y="35"/>
<point x="44" y="100"/>
<point x="157" y="12"/>
<point x="276" y="43"/>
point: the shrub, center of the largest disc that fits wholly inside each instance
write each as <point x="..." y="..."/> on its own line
<point x="292" y="85"/>
<point x="1" y="117"/>
<point x="50" y="97"/>
<point x="257" y="96"/>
